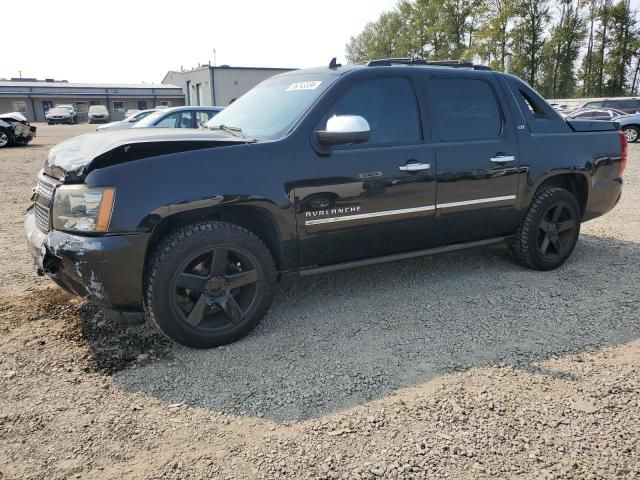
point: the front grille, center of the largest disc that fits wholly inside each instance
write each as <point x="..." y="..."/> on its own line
<point x="45" y="190"/>
<point x="42" y="217"/>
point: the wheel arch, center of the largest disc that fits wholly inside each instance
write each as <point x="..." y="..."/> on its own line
<point x="258" y="220"/>
<point x="574" y="182"/>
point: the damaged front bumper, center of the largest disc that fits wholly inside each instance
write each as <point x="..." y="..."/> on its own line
<point x="106" y="270"/>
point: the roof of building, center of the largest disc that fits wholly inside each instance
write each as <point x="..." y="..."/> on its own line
<point x="83" y="85"/>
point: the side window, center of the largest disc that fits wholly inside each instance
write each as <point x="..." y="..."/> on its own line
<point x="467" y="109"/>
<point x="390" y="107"/>
<point x="594" y="105"/>
<point x="170" y="121"/>
<point x="186" y="120"/>
<point x="203" y="117"/>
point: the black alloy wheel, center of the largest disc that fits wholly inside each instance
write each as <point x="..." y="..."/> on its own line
<point x="215" y="289"/>
<point x="209" y="284"/>
<point x="549" y="231"/>
<point x="556" y="230"/>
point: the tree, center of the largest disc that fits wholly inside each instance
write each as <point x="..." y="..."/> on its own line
<point x="544" y="45"/>
<point x="623" y="28"/>
<point x="383" y="38"/>
<point x="561" y="52"/>
<point x="493" y="36"/>
<point x="528" y="38"/>
<point x="611" y="50"/>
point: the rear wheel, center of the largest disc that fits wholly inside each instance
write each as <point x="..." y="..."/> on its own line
<point x="209" y="284"/>
<point x="549" y="233"/>
<point x="632" y="133"/>
<point x="6" y="138"/>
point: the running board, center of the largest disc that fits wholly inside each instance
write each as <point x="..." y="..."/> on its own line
<point x="402" y="256"/>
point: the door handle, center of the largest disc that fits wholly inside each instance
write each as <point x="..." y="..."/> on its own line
<point x="503" y="159"/>
<point x="414" y="167"/>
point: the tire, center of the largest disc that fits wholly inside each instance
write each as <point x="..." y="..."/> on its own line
<point x="632" y="133"/>
<point x="549" y="232"/>
<point x="189" y="290"/>
<point x="6" y="138"/>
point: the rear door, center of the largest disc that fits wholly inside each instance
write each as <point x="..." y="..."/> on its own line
<point x="476" y="156"/>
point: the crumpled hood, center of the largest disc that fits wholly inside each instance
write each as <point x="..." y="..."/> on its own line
<point x="13" y="116"/>
<point x="72" y="157"/>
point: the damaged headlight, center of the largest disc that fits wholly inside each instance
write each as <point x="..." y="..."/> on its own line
<point x="83" y="209"/>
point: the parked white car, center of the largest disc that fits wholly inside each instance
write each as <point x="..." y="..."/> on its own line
<point x="127" y="122"/>
<point x="98" y="114"/>
<point x="60" y="114"/>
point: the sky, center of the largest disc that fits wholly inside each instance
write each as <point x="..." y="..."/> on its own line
<point x="138" y="41"/>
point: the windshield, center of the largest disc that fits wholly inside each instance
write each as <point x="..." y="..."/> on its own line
<point x="58" y="110"/>
<point x="140" y="115"/>
<point x="97" y="109"/>
<point x="149" y="120"/>
<point x="270" y="109"/>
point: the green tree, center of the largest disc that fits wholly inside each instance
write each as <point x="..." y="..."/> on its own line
<point x="532" y="19"/>
<point x="561" y="52"/>
<point x="623" y="33"/>
<point x="493" y="36"/>
<point x="384" y="38"/>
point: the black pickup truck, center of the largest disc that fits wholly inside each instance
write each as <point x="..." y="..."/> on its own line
<point x="310" y="172"/>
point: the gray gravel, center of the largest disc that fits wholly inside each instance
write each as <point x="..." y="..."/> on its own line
<point x="337" y="341"/>
<point x="550" y="387"/>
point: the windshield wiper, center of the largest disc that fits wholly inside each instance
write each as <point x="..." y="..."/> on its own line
<point x="235" y="131"/>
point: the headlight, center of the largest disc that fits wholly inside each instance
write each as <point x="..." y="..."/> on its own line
<point x="83" y="209"/>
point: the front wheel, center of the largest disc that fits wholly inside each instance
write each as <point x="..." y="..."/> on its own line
<point x="209" y="284"/>
<point x="550" y="230"/>
<point x="6" y="138"/>
<point x="632" y="133"/>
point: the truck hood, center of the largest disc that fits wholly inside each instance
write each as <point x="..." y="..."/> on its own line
<point x="73" y="158"/>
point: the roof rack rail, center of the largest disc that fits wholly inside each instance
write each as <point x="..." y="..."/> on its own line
<point x="388" y="62"/>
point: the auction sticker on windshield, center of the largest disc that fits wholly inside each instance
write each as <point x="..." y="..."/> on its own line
<point x="311" y="85"/>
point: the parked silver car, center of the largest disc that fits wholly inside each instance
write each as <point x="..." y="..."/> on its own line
<point x="127" y="122"/>
<point x="630" y="125"/>
<point x="60" y="115"/>
<point x="595" y="114"/>
<point x="98" y="114"/>
<point x="179" y="117"/>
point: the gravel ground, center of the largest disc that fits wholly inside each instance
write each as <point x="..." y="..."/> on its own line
<point x="459" y="366"/>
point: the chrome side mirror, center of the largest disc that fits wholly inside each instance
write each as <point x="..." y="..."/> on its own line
<point x="344" y="130"/>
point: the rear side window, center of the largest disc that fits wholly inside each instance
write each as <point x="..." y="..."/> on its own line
<point x="467" y="109"/>
<point x="629" y="104"/>
<point x="390" y="107"/>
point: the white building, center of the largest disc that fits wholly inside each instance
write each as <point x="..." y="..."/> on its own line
<point x="208" y="85"/>
<point x="33" y="98"/>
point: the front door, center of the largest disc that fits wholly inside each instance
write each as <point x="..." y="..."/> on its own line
<point x="476" y="156"/>
<point x="378" y="198"/>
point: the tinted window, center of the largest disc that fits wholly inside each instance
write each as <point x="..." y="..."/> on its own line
<point x="628" y="104"/>
<point x="594" y="105"/>
<point x="388" y="104"/>
<point x="466" y="108"/>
